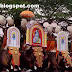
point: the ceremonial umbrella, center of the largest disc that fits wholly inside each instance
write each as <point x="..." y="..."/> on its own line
<point x="27" y="14"/>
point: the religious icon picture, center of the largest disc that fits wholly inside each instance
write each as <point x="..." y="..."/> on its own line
<point x="62" y="47"/>
<point x="62" y="41"/>
<point x="13" y="37"/>
<point x="36" y="38"/>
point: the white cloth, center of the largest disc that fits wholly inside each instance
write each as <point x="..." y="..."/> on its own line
<point x="1" y="32"/>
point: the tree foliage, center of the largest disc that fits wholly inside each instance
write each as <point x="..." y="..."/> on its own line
<point x="50" y="9"/>
<point x="15" y="13"/>
<point x="55" y="9"/>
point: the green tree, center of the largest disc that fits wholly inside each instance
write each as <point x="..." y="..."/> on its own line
<point x="54" y="9"/>
<point x="50" y="9"/>
<point x="15" y="13"/>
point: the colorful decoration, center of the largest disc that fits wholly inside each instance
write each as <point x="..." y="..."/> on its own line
<point x="36" y="36"/>
<point x="27" y="36"/>
<point x="39" y="55"/>
<point x="13" y="41"/>
<point x="62" y="41"/>
<point x="66" y="55"/>
<point x="13" y="37"/>
<point x="15" y="55"/>
<point x="27" y="14"/>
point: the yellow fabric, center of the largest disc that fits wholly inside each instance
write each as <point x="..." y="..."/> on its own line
<point x="45" y="39"/>
<point x="27" y="35"/>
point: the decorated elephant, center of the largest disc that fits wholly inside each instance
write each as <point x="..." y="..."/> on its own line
<point x="27" y="58"/>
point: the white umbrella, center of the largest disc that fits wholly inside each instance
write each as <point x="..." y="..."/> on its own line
<point x="10" y="20"/>
<point x="49" y="28"/>
<point x="57" y="29"/>
<point x="2" y="20"/>
<point x="69" y="28"/>
<point x="45" y="24"/>
<point x="2" y="17"/>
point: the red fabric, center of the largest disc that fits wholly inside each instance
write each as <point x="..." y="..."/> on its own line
<point x="52" y="45"/>
<point x="48" y="44"/>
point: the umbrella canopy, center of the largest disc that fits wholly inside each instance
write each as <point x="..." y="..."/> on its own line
<point x="69" y="28"/>
<point x="50" y="28"/>
<point x="2" y="17"/>
<point x="57" y="29"/>
<point x="27" y="14"/>
<point x="46" y="24"/>
<point x="10" y="20"/>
